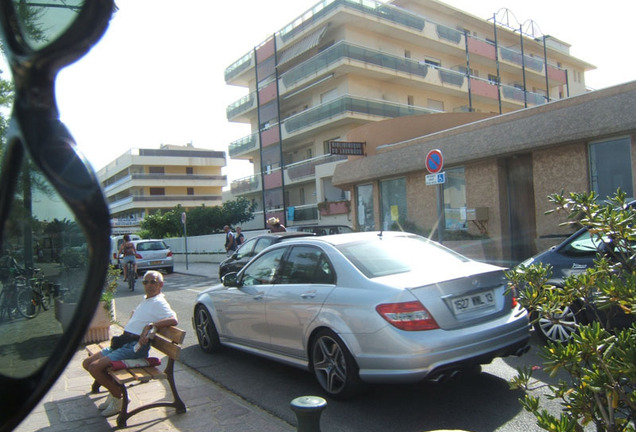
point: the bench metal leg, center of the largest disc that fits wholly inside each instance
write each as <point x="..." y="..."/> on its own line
<point x="95" y="387"/>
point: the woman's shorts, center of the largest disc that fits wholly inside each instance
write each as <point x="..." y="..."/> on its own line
<point x="128" y="258"/>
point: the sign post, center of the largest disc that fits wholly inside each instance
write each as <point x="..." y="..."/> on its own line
<point x="185" y="236"/>
<point x="434" y="165"/>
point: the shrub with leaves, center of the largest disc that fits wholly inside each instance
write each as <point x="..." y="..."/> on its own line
<point x="600" y="361"/>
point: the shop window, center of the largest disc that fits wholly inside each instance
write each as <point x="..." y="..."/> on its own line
<point x="392" y="202"/>
<point x="364" y="207"/>
<point x="611" y="167"/>
<point x="455" y="200"/>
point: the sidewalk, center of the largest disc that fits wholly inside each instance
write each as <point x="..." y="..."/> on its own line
<point x="69" y="406"/>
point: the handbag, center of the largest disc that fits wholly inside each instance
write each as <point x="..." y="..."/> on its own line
<point x="117" y="342"/>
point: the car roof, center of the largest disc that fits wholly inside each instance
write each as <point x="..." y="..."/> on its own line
<point x="338" y="239"/>
<point x="285" y="235"/>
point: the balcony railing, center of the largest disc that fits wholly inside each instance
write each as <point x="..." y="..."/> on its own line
<point x="350" y="104"/>
<point x="302" y="213"/>
<point x="307" y="168"/>
<point x="246" y="184"/>
<point x="240" y="106"/>
<point x="371" y="7"/>
<point x="239" y="66"/>
<point x="344" y="50"/>
<point x="244" y="144"/>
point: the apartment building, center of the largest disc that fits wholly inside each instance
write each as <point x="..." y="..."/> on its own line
<point x="344" y="63"/>
<point x="142" y="181"/>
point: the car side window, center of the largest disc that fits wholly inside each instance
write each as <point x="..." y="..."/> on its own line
<point x="262" y="271"/>
<point x="262" y="244"/>
<point x="307" y="265"/>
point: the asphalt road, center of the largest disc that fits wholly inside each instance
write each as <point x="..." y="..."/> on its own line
<point x="478" y="403"/>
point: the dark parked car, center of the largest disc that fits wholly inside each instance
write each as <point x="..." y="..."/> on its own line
<point x="251" y="248"/>
<point x="573" y="256"/>
<point x="369" y="307"/>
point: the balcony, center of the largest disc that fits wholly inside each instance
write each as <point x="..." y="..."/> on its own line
<point x="332" y="208"/>
<point x="244" y="145"/>
<point x="241" y="106"/>
<point x="373" y="8"/>
<point x="346" y="51"/>
<point x="348" y="105"/>
<point x="304" y="170"/>
<point x="302" y="213"/>
<point x="246" y="185"/>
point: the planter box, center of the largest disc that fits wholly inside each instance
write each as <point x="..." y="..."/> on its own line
<point x="99" y="328"/>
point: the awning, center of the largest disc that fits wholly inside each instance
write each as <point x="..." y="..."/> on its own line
<point x="303" y="45"/>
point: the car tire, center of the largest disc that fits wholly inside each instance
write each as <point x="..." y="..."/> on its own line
<point x="559" y="328"/>
<point x="207" y="335"/>
<point x="334" y="367"/>
<point x="169" y="270"/>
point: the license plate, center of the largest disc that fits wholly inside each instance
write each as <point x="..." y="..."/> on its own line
<point x="472" y="302"/>
<point x="155" y="262"/>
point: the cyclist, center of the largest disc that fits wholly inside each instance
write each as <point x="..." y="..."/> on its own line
<point x="128" y="249"/>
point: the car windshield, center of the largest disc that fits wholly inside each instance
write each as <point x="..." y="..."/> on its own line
<point x="583" y="244"/>
<point x="391" y="255"/>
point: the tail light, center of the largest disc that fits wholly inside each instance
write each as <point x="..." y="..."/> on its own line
<point x="409" y="316"/>
<point x="169" y="254"/>
<point x="513" y="292"/>
<point x="137" y="256"/>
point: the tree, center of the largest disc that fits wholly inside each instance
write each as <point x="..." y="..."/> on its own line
<point x="201" y="220"/>
<point x="599" y="361"/>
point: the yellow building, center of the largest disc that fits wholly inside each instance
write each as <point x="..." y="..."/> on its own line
<point x="345" y="63"/>
<point x="143" y="181"/>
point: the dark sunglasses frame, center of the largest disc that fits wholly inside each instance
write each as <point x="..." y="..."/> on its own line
<point x="35" y="131"/>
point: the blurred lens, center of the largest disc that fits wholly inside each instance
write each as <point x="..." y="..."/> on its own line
<point x="41" y="22"/>
<point x="43" y="268"/>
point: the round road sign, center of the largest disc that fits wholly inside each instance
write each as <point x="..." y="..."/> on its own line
<point x="434" y="161"/>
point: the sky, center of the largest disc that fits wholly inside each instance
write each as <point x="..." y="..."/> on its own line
<point x="156" y="77"/>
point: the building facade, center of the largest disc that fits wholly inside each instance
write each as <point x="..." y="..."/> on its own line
<point x="142" y="181"/>
<point x="345" y="63"/>
<point x="498" y="173"/>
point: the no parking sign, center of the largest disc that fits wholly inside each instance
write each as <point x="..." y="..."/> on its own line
<point x="434" y="161"/>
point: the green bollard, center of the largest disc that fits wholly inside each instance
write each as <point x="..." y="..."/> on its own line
<point x="308" y="410"/>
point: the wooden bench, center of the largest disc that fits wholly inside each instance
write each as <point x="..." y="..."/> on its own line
<point x="168" y="340"/>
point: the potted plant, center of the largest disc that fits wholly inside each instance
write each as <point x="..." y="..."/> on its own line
<point x="99" y="328"/>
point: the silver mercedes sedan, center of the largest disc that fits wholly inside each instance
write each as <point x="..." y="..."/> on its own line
<point x="360" y="308"/>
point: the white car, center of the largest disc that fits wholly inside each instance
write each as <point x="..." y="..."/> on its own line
<point x="153" y="255"/>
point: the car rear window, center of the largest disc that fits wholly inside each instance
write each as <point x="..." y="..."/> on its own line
<point x="387" y="256"/>
<point x="149" y="246"/>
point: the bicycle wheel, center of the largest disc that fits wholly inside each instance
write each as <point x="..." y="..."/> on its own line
<point x="44" y="291"/>
<point x="27" y="305"/>
<point x="132" y="277"/>
<point x="3" y="306"/>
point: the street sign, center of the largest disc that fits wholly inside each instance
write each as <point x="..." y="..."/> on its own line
<point x="434" y="161"/>
<point x="435" y="179"/>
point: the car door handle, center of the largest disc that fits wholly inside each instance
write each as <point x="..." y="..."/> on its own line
<point x="258" y="296"/>
<point x="308" y="295"/>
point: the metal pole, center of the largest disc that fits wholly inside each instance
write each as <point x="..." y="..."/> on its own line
<point x="185" y="236"/>
<point x="468" y="74"/>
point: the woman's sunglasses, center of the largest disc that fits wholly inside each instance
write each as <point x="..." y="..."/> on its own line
<point x="54" y="221"/>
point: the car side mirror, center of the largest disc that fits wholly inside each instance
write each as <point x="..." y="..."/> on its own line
<point x="231" y="280"/>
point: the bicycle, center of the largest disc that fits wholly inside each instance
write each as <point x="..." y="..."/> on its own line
<point x="34" y="296"/>
<point x="132" y="275"/>
<point x="13" y="280"/>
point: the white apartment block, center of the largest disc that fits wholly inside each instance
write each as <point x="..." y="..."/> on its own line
<point x="142" y="181"/>
<point x="344" y="63"/>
